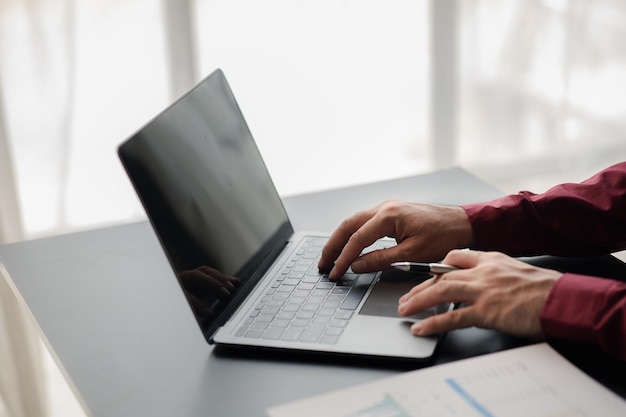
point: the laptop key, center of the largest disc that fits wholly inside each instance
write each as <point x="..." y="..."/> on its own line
<point x="313" y="333"/>
<point x="242" y="330"/>
<point x="326" y="312"/>
<point x="317" y="299"/>
<point x="334" y="331"/>
<point x="306" y="286"/>
<point x="329" y="340"/>
<point x="264" y="318"/>
<point x="259" y="325"/>
<point x="310" y="307"/>
<point x="321" y="320"/>
<point x="343" y="314"/>
<point x="271" y="310"/>
<point x="297" y="300"/>
<point x="357" y="292"/>
<point x="292" y="334"/>
<point x="335" y="297"/>
<point x="303" y="314"/>
<point x="281" y="323"/>
<point x="273" y="333"/>
<point x="276" y="303"/>
<point x="285" y="315"/>
<point x="300" y="322"/>
<point x="339" y="323"/>
<point x="334" y="304"/>
<point x="254" y="334"/>
<point x="312" y="279"/>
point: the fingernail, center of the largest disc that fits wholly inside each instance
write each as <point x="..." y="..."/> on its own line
<point x="401" y="309"/>
<point x="416" y="329"/>
<point x="330" y="274"/>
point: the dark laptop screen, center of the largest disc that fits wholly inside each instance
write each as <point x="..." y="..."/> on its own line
<point x="208" y="195"/>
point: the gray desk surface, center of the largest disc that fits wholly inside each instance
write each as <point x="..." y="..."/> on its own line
<point x="120" y="327"/>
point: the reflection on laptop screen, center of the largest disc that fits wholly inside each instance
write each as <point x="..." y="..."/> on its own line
<point x="207" y="193"/>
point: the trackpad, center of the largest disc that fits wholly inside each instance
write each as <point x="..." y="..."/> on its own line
<point x="393" y="284"/>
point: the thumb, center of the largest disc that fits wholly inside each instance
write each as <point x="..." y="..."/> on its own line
<point x="376" y="260"/>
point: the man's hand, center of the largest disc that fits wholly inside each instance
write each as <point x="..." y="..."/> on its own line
<point x="424" y="232"/>
<point x="500" y="293"/>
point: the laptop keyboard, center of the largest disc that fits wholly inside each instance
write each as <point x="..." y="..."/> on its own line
<point x="303" y="305"/>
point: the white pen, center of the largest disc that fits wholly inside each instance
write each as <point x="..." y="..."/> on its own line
<point x="432" y="268"/>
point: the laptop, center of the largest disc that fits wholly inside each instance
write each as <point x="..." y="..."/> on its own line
<point x="249" y="278"/>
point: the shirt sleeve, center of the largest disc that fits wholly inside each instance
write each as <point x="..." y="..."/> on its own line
<point x="587" y="310"/>
<point x="582" y="219"/>
<point x="587" y="218"/>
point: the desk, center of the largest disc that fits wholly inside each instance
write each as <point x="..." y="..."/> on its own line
<point x="122" y="332"/>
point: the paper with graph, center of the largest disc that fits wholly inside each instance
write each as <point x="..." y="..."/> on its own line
<point x="529" y="381"/>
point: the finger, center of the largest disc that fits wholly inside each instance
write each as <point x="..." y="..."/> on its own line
<point x="463" y="258"/>
<point x="379" y="259"/>
<point x="366" y="235"/>
<point x="461" y="275"/>
<point x="440" y="323"/>
<point x="444" y="291"/>
<point x="416" y="289"/>
<point x="339" y="238"/>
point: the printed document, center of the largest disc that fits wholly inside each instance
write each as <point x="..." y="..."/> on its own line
<point x="528" y="381"/>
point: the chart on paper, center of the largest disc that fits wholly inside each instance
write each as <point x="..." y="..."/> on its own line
<point x="473" y="394"/>
<point x="534" y="380"/>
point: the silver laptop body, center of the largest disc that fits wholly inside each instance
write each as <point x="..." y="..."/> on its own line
<point x="250" y="280"/>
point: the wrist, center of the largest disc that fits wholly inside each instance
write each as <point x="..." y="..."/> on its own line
<point x="459" y="228"/>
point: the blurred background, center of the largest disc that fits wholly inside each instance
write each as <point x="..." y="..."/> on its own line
<point x="523" y="94"/>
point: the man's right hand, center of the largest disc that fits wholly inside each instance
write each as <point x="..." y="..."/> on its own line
<point x="423" y="232"/>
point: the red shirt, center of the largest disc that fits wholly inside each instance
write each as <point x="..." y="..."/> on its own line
<point x="567" y="220"/>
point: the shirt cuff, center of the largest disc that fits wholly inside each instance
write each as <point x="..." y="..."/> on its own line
<point x="505" y="213"/>
<point x="576" y="307"/>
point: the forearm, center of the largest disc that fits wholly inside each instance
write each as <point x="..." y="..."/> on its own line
<point x="569" y="219"/>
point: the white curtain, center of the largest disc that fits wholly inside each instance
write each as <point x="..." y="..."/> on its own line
<point x="542" y="91"/>
<point x="22" y="379"/>
<point x="10" y="217"/>
<point x="22" y="388"/>
<point x="76" y="77"/>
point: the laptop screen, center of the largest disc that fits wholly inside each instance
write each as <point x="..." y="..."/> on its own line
<point x="208" y="196"/>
